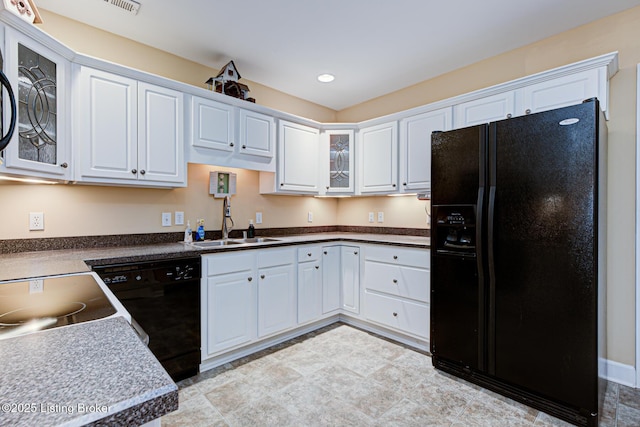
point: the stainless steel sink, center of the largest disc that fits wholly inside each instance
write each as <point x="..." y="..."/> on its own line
<point x="214" y="243"/>
<point x="256" y="240"/>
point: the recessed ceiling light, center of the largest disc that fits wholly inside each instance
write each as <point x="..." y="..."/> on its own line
<point x="326" y="78"/>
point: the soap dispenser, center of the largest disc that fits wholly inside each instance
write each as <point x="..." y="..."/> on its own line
<point x="251" y="231"/>
<point x="188" y="233"/>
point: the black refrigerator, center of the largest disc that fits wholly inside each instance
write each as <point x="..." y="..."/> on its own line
<point x="518" y="258"/>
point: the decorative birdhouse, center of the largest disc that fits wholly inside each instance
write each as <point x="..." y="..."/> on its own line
<point x="226" y="82"/>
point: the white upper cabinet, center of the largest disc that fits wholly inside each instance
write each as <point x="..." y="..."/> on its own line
<point x="487" y="109"/>
<point x="377" y="151"/>
<point x="40" y="78"/>
<point x="415" y="147"/>
<point x="257" y="134"/>
<point x="212" y="124"/>
<point x="298" y="161"/>
<point x="128" y="132"/>
<point x="562" y="91"/>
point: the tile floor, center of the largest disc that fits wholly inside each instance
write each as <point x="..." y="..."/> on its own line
<point x="342" y="376"/>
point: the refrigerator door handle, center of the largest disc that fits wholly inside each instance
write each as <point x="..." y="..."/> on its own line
<point x="492" y="282"/>
<point x="481" y="275"/>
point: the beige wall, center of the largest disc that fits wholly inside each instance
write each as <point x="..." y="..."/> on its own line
<point x="80" y="210"/>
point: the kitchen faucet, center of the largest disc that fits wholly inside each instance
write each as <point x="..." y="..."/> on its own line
<point x="226" y="215"/>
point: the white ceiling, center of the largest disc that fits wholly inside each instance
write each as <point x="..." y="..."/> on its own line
<point x="373" y="47"/>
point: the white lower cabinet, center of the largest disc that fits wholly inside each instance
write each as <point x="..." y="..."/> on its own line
<point x="396" y="294"/>
<point x="276" y="290"/>
<point x="309" y="284"/>
<point x="350" y="266"/>
<point x="331" y="279"/>
<point x="259" y="296"/>
<point x="229" y="297"/>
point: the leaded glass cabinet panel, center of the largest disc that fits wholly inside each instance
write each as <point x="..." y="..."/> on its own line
<point x="41" y="143"/>
<point x="341" y="156"/>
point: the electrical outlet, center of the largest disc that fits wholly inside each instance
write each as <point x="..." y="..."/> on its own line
<point x="380" y="216"/>
<point x="179" y="216"/>
<point x="36" y="221"/>
<point x="371" y="217"/>
<point x="166" y="219"/>
<point x="310" y="217"/>
<point x="258" y="217"/>
<point x="36" y="286"/>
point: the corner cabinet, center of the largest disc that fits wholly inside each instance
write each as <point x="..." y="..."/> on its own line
<point x="297" y="163"/>
<point x="415" y="147"/>
<point x="338" y="161"/>
<point x="128" y="132"/>
<point x="40" y="77"/>
<point x="377" y="150"/>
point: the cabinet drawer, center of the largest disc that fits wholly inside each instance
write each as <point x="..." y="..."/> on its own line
<point x="405" y="316"/>
<point x="274" y="257"/>
<point x="403" y="281"/>
<point x="399" y="256"/>
<point x="309" y="253"/>
<point x="227" y="263"/>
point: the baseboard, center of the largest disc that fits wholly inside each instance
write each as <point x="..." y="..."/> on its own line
<point x="621" y="373"/>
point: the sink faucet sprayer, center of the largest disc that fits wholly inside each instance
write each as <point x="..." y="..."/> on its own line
<point x="226" y="215"/>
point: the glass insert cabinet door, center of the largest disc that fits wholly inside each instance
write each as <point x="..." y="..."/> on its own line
<point x="38" y="76"/>
<point x="340" y="173"/>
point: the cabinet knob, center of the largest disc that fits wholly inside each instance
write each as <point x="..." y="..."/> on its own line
<point x="249" y="278"/>
<point x="134" y="171"/>
<point x="325" y="252"/>
<point x="282" y="184"/>
<point x="404" y="183"/>
<point x="395" y="257"/>
<point x="327" y="187"/>
<point x="142" y="172"/>
<point x="355" y="252"/>
<point x="64" y="165"/>
<point x="244" y="147"/>
<point x="527" y="111"/>
<point x="231" y="144"/>
<point x="395" y="281"/>
<point x="262" y="276"/>
<point x="509" y="115"/>
<point x="394" y="186"/>
<point x="395" y="314"/>
<point x="317" y="267"/>
<point x="308" y="253"/>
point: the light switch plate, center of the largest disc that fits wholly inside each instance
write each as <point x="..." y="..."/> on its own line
<point x="380" y="216"/>
<point x="258" y="217"/>
<point x="166" y="219"/>
<point x="371" y="217"/>
<point x="310" y="217"/>
<point x="179" y="217"/>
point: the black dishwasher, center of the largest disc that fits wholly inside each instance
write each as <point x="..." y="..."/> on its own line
<point x="164" y="298"/>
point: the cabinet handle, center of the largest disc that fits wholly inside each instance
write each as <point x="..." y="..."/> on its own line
<point x="509" y="115"/>
<point x="231" y="144"/>
<point x="317" y="267"/>
<point x="142" y="172"/>
<point x="134" y="171"/>
<point x="395" y="281"/>
<point x="249" y="278"/>
<point x="395" y="257"/>
<point x="527" y="111"/>
<point x="395" y="314"/>
<point x="262" y="276"/>
<point x="64" y="165"/>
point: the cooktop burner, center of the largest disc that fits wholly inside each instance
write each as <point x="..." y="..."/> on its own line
<point x="50" y="302"/>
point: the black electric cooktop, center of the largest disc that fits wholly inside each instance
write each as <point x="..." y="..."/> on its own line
<point x="49" y="302"/>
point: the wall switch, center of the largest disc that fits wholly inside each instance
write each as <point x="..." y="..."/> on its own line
<point x="258" y="217"/>
<point x="310" y="217"/>
<point x="36" y="221"/>
<point x="166" y="219"/>
<point x="179" y="216"/>
<point x="380" y="216"/>
<point x="371" y="217"/>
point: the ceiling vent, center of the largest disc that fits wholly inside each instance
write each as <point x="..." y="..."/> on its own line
<point x="127" y="5"/>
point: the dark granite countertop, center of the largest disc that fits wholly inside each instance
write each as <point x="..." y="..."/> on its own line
<point x="22" y="265"/>
<point x="93" y="373"/>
